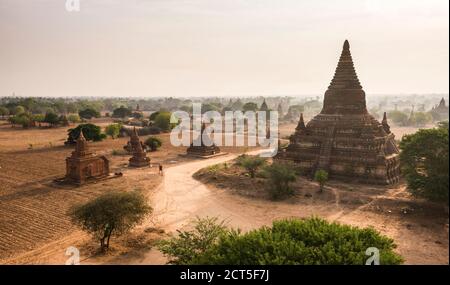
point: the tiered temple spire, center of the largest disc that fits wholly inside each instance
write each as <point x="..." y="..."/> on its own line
<point x="139" y="158"/>
<point x="344" y="139"/>
<point x="345" y="93"/>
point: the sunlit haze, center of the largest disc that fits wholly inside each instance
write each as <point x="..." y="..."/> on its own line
<point x="156" y="48"/>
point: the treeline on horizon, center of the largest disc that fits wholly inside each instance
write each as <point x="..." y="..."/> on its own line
<point x="26" y="111"/>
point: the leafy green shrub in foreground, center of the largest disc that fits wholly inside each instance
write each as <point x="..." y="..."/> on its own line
<point x="312" y="241"/>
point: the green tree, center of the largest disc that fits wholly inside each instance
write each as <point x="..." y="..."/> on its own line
<point x="310" y="241"/>
<point x="251" y="163"/>
<point x="73" y="118"/>
<point x="112" y="214"/>
<point x="398" y="117"/>
<point x="90" y="131"/>
<point x="121" y="112"/>
<point x="18" y="110"/>
<point x="162" y="121"/>
<point x="24" y="119"/>
<point x="280" y="176"/>
<point x="89" y="113"/>
<point x="113" y="130"/>
<point x="4" y="111"/>
<point x="39" y="118"/>
<point x="193" y="244"/>
<point x="51" y="118"/>
<point x="421" y="118"/>
<point x="424" y="161"/>
<point x="321" y="176"/>
<point x="250" y="106"/>
<point x="153" y="143"/>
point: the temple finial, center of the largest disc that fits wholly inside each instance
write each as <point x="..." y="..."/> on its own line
<point x="346" y="45"/>
<point x="384" y="117"/>
<point x="81" y="135"/>
<point x="301" y="123"/>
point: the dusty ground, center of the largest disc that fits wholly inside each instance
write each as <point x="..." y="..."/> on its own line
<point x="33" y="210"/>
<point x="34" y="228"/>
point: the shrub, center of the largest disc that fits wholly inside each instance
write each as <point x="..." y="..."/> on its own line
<point x="251" y="163"/>
<point x="113" y="130"/>
<point x="153" y="143"/>
<point x="89" y="113"/>
<point x="121" y="112"/>
<point x="162" y="121"/>
<point x="73" y="118"/>
<point x="321" y="176"/>
<point x="398" y="117"/>
<point x="4" y="111"/>
<point x="311" y="241"/>
<point x="18" y="110"/>
<point x="51" y="118"/>
<point x="424" y="161"/>
<point x="112" y="214"/>
<point x="90" y="131"/>
<point x="280" y="176"/>
<point x="191" y="245"/>
<point x="250" y="106"/>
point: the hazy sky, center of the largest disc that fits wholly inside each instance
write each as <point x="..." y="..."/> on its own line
<point x="220" y="47"/>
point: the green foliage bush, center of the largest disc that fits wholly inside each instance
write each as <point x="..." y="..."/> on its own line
<point x="251" y="163"/>
<point x="191" y="245"/>
<point x="89" y="113"/>
<point x="121" y="112"/>
<point x="312" y="241"/>
<point x="425" y="163"/>
<point x="162" y="121"/>
<point x="113" y="130"/>
<point x="153" y="143"/>
<point x="321" y="176"/>
<point x="280" y="176"/>
<point x="90" y="131"/>
<point x="51" y="118"/>
<point x="73" y="118"/>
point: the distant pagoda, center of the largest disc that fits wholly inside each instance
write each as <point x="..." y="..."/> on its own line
<point x="84" y="165"/>
<point x="139" y="157"/>
<point x="344" y="139"/>
<point x="441" y="111"/>
<point x="199" y="148"/>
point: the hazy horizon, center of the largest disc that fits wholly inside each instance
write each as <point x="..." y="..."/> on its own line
<point x="212" y="48"/>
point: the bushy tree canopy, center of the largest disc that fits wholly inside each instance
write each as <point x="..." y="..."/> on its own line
<point x="90" y="131"/>
<point x="112" y="214"/>
<point x="89" y="113"/>
<point x="121" y="112"/>
<point x="280" y="176"/>
<point x="251" y="163"/>
<point x="311" y="241"/>
<point x="153" y="143"/>
<point x="424" y="161"/>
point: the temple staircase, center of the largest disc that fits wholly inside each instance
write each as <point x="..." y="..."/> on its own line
<point x="325" y="150"/>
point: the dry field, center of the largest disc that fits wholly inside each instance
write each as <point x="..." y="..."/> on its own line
<point x="33" y="210"/>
